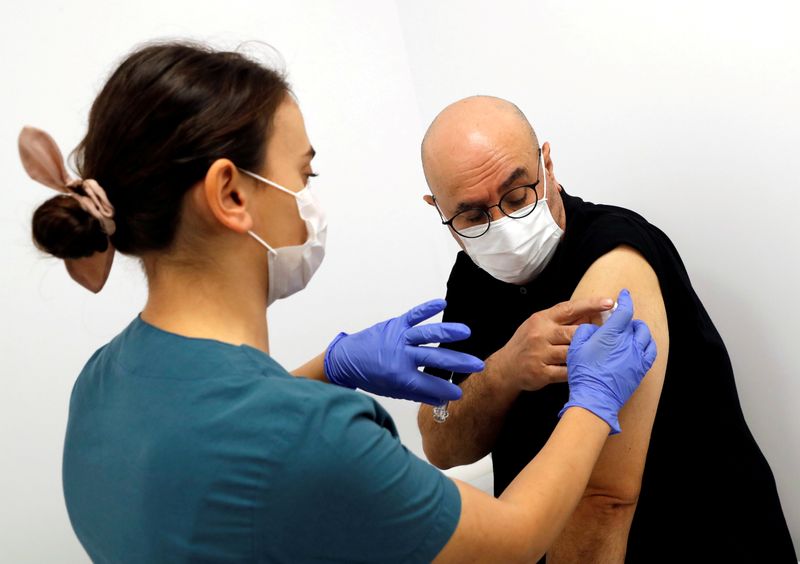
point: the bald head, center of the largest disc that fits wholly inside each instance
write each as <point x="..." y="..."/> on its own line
<point x="475" y="149"/>
<point x="476" y="113"/>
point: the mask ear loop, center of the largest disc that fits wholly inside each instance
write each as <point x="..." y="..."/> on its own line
<point x="544" y="173"/>
<point x="270" y="182"/>
<point x="262" y="241"/>
<point x="274" y="185"/>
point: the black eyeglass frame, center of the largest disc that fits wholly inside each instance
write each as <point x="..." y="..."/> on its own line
<point x="498" y="205"/>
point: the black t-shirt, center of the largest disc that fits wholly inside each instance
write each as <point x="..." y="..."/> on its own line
<point x="707" y="490"/>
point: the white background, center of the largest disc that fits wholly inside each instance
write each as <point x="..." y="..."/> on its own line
<point x="686" y="112"/>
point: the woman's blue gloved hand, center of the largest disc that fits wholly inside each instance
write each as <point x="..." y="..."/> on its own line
<point x="383" y="359"/>
<point x="606" y="364"/>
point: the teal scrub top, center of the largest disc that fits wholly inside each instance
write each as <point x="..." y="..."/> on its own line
<point x="181" y="449"/>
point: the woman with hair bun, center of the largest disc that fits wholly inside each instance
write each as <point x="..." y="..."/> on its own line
<point x="186" y="441"/>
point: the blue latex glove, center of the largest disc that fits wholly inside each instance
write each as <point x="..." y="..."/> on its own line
<point x="606" y="364"/>
<point x="383" y="359"/>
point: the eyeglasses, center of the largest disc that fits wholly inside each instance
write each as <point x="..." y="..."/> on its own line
<point x="517" y="203"/>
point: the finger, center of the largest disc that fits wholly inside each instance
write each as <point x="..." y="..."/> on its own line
<point x="437" y="333"/>
<point x="622" y="316"/>
<point x="556" y="374"/>
<point x="567" y="313"/>
<point x="650" y="354"/>
<point x="641" y="334"/>
<point x="445" y="359"/>
<point x="424" y="311"/>
<point x="432" y="401"/>
<point x="562" y="334"/>
<point x="556" y="354"/>
<point x="583" y="334"/>
<point x="427" y="387"/>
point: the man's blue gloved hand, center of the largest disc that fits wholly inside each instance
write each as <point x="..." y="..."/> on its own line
<point x="383" y="359"/>
<point x="606" y="364"/>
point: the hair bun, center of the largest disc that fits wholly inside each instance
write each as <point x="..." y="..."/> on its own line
<point x="65" y="230"/>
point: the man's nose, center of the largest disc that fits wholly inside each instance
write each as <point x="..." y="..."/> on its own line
<point x="495" y="213"/>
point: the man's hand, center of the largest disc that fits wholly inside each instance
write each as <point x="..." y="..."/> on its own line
<point x="537" y="353"/>
<point x="535" y="356"/>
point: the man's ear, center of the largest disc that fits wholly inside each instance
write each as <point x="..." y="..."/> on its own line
<point x="548" y="164"/>
<point x="226" y="196"/>
<point x="429" y="199"/>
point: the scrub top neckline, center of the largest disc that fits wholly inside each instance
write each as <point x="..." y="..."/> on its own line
<point x="153" y="328"/>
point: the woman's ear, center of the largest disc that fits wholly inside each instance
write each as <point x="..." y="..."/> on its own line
<point x="227" y="197"/>
<point x="428" y="199"/>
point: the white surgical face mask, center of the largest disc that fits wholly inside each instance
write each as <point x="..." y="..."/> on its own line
<point x="516" y="250"/>
<point x="290" y="268"/>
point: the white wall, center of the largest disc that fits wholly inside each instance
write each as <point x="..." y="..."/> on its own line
<point x="687" y="112"/>
<point x="683" y="112"/>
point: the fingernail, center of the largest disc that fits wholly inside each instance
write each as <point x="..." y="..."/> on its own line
<point x="608" y="302"/>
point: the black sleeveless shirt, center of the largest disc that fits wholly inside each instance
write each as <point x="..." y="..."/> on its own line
<point x="708" y="494"/>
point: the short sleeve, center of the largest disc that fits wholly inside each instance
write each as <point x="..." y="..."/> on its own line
<point x="354" y="493"/>
<point x="614" y="228"/>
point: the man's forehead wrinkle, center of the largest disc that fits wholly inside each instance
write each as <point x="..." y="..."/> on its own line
<point x="475" y="161"/>
<point x="494" y="169"/>
<point x="477" y="143"/>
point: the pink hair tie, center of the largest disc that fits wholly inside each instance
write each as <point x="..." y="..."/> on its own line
<point x="95" y="203"/>
<point x="44" y="163"/>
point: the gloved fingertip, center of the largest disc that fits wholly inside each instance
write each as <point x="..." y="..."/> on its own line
<point x="626" y="297"/>
<point x="459" y="331"/>
<point x="650" y="354"/>
<point x="622" y="316"/>
<point x="641" y="334"/>
<point x="463" y="326"/>
<point x="583" y="334"/>
<point x="425" y="310"/>
<point x="456" y="394"/>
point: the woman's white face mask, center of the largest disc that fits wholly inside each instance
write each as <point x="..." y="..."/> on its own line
<point x="291" y="268"/>
<point x="516" y="250"/>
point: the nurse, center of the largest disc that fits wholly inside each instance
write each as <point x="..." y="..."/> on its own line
<point x="186" y="441"/>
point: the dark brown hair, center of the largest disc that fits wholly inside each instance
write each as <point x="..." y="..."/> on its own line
<point x="164" y="116"/>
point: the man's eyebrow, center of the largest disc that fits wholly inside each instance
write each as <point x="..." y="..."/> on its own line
<point x="518" y="173"/>
<point x="311" y="153"/>
<point x="515" y="175"/>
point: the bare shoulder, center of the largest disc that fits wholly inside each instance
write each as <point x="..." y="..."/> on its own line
<point x="625" y="267"/>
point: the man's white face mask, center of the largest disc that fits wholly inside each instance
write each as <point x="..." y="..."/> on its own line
<point x="291" y="268"/>
<point x="516" y="250"/>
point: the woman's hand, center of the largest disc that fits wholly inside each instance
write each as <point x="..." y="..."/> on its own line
<point x="606" y="364"/>
<point x="384" y="359"/>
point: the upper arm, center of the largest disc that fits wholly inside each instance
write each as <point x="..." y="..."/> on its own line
<point x="618" y="472"/>
<point x="350" y="491"/>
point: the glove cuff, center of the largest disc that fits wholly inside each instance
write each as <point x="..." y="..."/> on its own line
<point x="329" y="365"/>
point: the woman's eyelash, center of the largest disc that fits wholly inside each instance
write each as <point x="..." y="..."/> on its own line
<point x="313" y="175"/>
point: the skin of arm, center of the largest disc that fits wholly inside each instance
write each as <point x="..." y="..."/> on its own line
<point x="598" y="530"/>
<point x="521" y="524"/>
<point x="314" y="369"/>
<point x="473" y="422"/>
<point x="533" y="358"/>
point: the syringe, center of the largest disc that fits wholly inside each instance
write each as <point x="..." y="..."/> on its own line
<point x="440" y="412"/>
